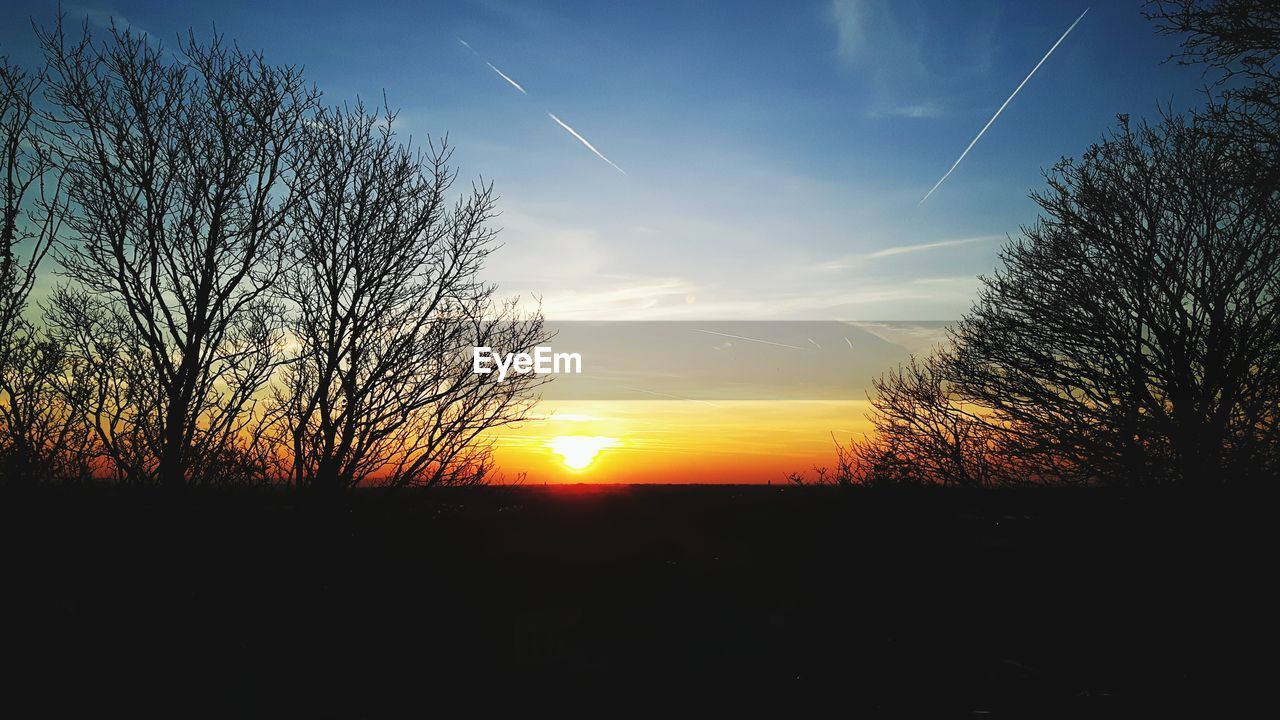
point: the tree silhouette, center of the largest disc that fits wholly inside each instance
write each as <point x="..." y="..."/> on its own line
<point x="1133" y="331"/>
<point x="386" y="307"/>
<point x="30" y="201"/>
<point x="1239" y="42"/>
<point x="180" y="173"/>
<point x="44" y="439"/>
<point x="924" y="432"/>
<point x="36" y="433"/>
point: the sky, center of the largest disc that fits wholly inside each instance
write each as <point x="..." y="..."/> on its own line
<point x="752" y="160"/>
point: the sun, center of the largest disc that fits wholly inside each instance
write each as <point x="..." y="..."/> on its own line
<point x="579" y="451"/>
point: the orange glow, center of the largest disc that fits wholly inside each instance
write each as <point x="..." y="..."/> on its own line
<point x="677" y="441"/>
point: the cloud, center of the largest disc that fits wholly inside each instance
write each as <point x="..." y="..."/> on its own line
<point x="579" y="249"/>
<point x="924" y="247"/>
<point x="888" y="49"/>
<point x="871" y="34"/>
<point x="836" y="265"/>
<point x="624" y="299"/>
<point x="850" y="18"/>
<point x="910" y="61"/>
<point x="928" y="109"/>
<point x="99" y="17"/>
<point x="103" y="18"/>
<point x="848" y="261"/>
<point x="660" y="299"/>
<point x="915" y="338"/>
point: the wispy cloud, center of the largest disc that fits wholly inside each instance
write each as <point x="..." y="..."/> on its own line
<point x="106" y="18"/>
<point x="912" y="110"/>
<point x="889" y="49"/>
<point x="924" y="247"/>
<point x="504" y="76"/>
<point x="584" y="141"/>
<point x="622" y="299"/>
<point x="665" y="301"/>
<point x="1001" y="109"/>
<point x="913" y="337"/>
<point x="873" y="34"/>
<point x="851" y="20"/>
<point x="850" y="261"/>
<point x="103" y="18"/>
<point x="967" y="280"/>
<point x="843" y="263"/>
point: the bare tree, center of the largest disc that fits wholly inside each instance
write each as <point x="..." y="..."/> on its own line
<point x="30" y="202"/>
<point x="924" y="428"/>
<point x="108" y="384"/>
<point x="387" y="304"/>
<point x="1239" y="41"/>
<point x="179" y="170"/>
<point x="36" y="434"/>
<point x="1133" y="332"/>
<point x="44" y="438"/>
<point x="923" y="432"/>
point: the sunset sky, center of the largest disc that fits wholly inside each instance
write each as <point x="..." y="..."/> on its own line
<point x="752" y="160"/>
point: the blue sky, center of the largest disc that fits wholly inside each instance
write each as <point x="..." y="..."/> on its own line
<point x="775" y="152"/>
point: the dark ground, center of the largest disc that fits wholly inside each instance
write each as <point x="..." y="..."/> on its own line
<point x="1075" y="603"/>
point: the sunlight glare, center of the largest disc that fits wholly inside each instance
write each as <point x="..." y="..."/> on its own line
<point x="579" y="451"/>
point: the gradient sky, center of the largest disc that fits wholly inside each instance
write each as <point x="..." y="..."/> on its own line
<point x="774" y="153"/>
<point x="770" y="148"/>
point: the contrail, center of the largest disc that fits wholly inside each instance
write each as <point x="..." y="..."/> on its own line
<point x="584" y="142"/>
<point x="492" y="67"/>
<point x="552" y="115"/>
<point x="750" y="339"/>
<point x="1002" y="107"/>
<point x="514" y="84"/>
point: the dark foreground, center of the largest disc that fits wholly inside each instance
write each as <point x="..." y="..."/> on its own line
<point x="1030" y="603"/>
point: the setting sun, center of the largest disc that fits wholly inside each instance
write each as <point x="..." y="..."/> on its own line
<point x="579" y="451"/>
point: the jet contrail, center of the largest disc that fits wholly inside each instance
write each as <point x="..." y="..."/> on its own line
<point x="552" y="115"/>
<point x="750" y="339"/>
<point x="492" y="67"/>
<point x="514" y="84"/>
<point x="584" y="142"/>
<point x="1002" y="107"/>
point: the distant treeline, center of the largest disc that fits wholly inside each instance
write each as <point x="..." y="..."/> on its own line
<point x="1131" y="335"/>
<point x="249" y="285"/>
